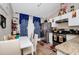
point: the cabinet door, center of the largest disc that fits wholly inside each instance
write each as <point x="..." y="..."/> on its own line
<point x="50" y="38"/>
<point x="74" y="21"/>
<point x="69" y="37"/>
<point x="60" y="53"/>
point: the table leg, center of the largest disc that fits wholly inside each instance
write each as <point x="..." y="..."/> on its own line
<point x="21" y="51"/>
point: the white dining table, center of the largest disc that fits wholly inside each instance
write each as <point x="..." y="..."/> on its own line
<point x="25" y="43"/>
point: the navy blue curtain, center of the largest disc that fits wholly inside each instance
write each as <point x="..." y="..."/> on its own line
<point x="23" y="24"/>
<point x="37" y="22"/>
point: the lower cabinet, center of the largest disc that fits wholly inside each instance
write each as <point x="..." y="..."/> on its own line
<point x="50" y="38"/>
<point x="60" y="53"/>
<point x="69" y="37"/>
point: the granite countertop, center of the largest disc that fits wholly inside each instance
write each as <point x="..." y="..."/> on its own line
<point x="70" y="47"/>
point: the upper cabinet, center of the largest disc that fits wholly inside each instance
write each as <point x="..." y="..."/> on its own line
<point x="74" y="21"/>
<point x="62" y="17"/>
<point x="72" y="18"/>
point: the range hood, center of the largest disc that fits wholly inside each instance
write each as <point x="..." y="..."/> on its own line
<point x="62" y="21"/>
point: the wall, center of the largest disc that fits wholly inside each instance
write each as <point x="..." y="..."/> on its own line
<point x="5" y="9"/>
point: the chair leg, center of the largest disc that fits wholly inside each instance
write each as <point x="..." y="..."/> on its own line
<point x="35" y="49"/>
<point x="32" y="49"/>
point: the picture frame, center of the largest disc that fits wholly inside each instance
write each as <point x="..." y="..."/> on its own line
<point x="2" y="21"/>
<point x="73" y="14"/>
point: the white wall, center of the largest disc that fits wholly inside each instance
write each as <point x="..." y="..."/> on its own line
<point x="5" y="10"/>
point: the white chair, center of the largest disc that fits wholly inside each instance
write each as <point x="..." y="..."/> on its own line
<point x="29" y="48"/>
<point x="26" y="45"/>
<point x="35" y="43"/>
<point x="10" y="47"/>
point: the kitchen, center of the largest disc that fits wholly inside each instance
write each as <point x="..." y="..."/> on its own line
<point x="48" y="32"/>
<point x="65" y="29"/>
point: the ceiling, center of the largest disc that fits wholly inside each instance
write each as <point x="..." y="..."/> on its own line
<point x="45" y="10"/>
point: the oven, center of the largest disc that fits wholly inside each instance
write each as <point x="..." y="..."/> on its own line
<point x="62" y="38"/>
<point x="59" y="38"/>
<point x="55" y="37"/>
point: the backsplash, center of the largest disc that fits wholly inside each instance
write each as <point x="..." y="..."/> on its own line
<point x="65" y="26"/>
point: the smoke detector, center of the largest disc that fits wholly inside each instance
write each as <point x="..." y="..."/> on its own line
<point x="39" y="4"/>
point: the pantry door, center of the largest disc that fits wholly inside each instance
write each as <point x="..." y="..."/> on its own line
<point x="23" y="24"/>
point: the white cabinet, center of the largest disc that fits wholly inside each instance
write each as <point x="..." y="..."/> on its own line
<point x="74" y="21"/>
<point x="71" y="21"/>
<point x="69" y="37"/>
<point x="50" y="38"/>
<point x="62" y="17"/>
<point x="60" y="53"/>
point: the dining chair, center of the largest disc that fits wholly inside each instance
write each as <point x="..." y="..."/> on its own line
<point x="26" y="45"/>
<point x="35" y="39"/>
